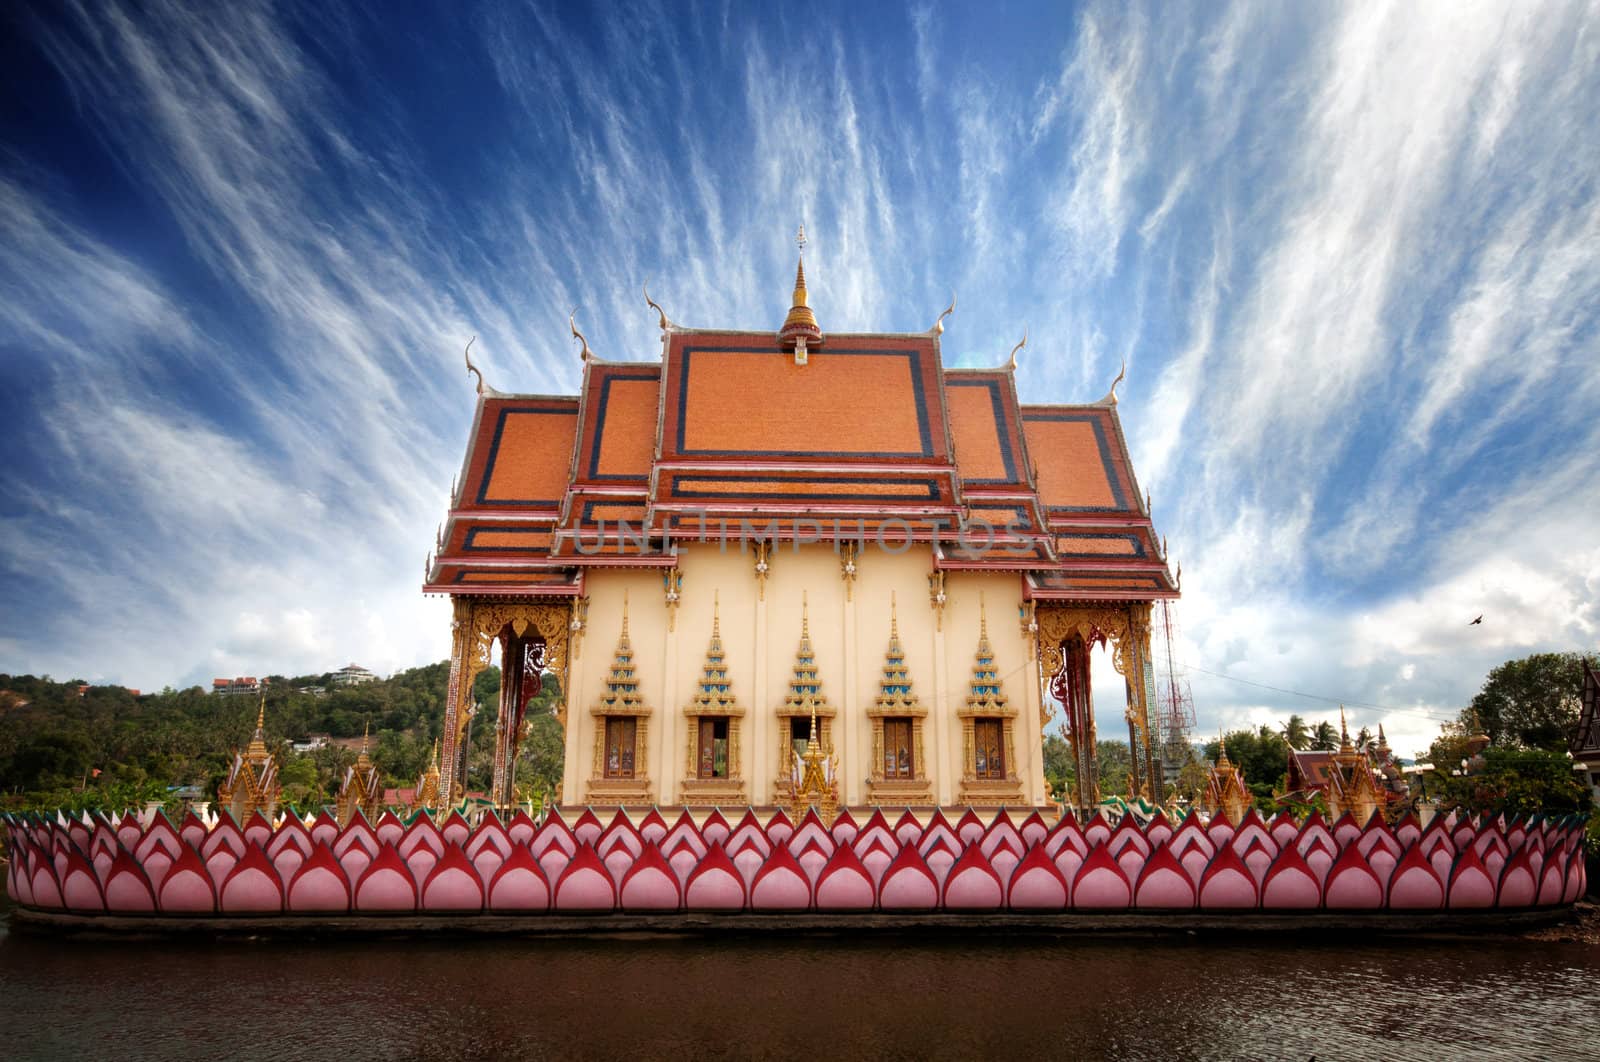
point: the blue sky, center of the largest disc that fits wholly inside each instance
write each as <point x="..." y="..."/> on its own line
<point x="1351" y="255"/>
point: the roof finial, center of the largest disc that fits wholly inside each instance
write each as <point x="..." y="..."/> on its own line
<point x="1012" y="361"/>
<point x="1344" y="733"/>
<point x="572" y="322"/>
<point x="261" y="712"/>
<point x="716" y="614"/>
<point x="800" y="327"/>
<point x="665" y="322"/>
<point x="471" y="368"/>
<point x="366" y="732"/>
<point x="1111" y="396"/>
<point x="983" y="618"/>
<point x="805" y="610"/>
<point x="938" y="326"/>
<point x="624" y="614"/>
<point x="894" y="618"/>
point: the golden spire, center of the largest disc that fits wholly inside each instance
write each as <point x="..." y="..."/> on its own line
<point x="624" y="639"/>
<point x="1222" y="752"/>
<point x="428" y="795"/>
<point x="256" y="752"/>
<point x="800" y="327"/>
<point x="985" y="694"/>
<point x="715" y="696"/>
<point x="894" y="686"/>
<point x="362" y="761"/>
<point x="1344" y="734"/>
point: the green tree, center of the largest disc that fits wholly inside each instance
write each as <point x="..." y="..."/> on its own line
<point x="1262" y="755"/>
<point x="1296" y="733"/>
<point x="1532" y="702"/>
<point x="1059" y="772"/>
<point x="1324" y="738"/>
<point x="1514" y="781"/>
<point x="1192" y="777"/>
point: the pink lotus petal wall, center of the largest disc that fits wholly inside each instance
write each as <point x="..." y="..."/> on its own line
<point x="147" y="866"/>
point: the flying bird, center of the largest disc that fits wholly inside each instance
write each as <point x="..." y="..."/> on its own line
<point x="1476" y="621"/>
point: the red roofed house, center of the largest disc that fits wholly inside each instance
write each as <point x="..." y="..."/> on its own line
<point x="711" y="547"/>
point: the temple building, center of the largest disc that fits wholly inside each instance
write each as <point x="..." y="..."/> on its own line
<point x="760" y="532"/>
<point x="1360" y="781"/>
<point x="252" y="781"/>
<point x="1226" y="793"/>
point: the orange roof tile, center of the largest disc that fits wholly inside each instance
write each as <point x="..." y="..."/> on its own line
<point x="1082" y="464"/>
<point x="520" y="453"/>
<point x="619" y="423"/>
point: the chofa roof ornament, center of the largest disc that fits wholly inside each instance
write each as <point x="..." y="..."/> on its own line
<point x="1111" y="396"/>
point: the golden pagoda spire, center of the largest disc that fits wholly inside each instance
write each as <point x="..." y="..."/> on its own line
<point x="428" y="795"/>
<point x="805" y="687"/>
<point x="715" y="696"/>
<point x="256" y="752"/>
<point x="895" y="696"/>
<point x="622" y="696"/>
<point x="363" y="761"/>
<point x="800" y="327"/>
<point x="1344" y="734"/>
<point x="1222" y="751"/>
<point x="985" y="696"/>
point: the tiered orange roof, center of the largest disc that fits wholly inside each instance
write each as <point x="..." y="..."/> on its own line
<point x="738" y="433"/>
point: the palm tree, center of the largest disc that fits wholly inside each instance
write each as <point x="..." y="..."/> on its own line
<point x="1324" y="738"/>
<point x="1296" y="733"/>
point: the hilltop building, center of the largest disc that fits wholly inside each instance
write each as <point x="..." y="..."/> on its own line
<point x="243" y="684"/>
<point x="353" y="675"/>
<point x="715" y="550"/>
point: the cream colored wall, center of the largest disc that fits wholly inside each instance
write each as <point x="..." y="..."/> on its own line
<point x="849" y="634"/>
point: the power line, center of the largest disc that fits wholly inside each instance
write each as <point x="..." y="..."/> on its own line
<point x="1318" y="697"/>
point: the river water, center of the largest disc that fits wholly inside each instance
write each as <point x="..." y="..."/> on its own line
<point x="835" y="997"/>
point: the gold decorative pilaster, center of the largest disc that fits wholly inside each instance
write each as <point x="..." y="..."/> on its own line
<point x="763" y="567"/>
<point x="672" y="590"/>
<point x="937" y="598"/>
<point x="848" y="554"/>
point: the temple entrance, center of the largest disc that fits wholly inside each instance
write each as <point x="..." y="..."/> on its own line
<point x="533" y="638"/>
<point x="522" y="663"/>
<point x="1066" y="634"/>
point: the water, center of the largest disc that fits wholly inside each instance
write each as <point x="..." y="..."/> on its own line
<point x="839" y="997"/>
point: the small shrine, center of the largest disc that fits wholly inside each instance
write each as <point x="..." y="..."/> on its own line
<point x="361" y="790"/>
<point x="252" y="781"/>
<point x="1225" y="793"/>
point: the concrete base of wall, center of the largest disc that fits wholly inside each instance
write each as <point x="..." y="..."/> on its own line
<point x="1473" y="924"/>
